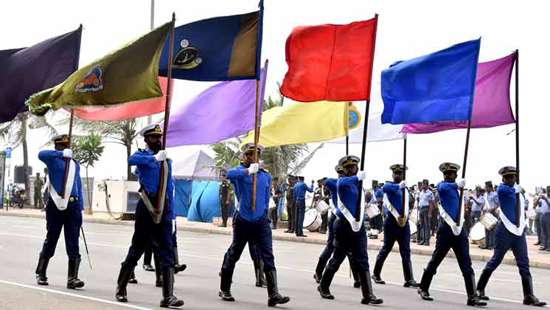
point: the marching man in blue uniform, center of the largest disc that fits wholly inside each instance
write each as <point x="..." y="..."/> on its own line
<point x="396" y="227"/>
<point x="63" y="210"/>
<point x="331" y="184"/>
<point x="510" y="234"/>
<point x="251" y="225"/>
<point x="349" y="233"/>
<point x="451" y="235"/>
<point x="154" y="215"/>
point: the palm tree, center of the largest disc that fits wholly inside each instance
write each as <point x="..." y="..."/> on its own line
<point x="14" y="133"/>
<point x="87" y="150"/>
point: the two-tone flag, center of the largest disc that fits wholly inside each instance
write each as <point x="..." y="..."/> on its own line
<point x="330" y="62"/>
<point x="25" y="71"/>
<point x="127" y="74"/>
<point x="434" y="87"/>
<point x="217" y="49"/>
<point x="491" y="100"/>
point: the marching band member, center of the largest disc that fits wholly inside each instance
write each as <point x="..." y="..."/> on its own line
<point x="510" y="234"/>
<point x="349" y="234"/>
<point x="451" y="234"/>
<point x="396" y="227"/>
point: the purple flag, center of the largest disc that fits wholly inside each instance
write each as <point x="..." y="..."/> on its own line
<point x="223" y="111"/>
<point x="25" y="71"/>
<point x="491" y="100"/>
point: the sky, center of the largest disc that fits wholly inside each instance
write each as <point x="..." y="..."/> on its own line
<point x="406" y="29"/>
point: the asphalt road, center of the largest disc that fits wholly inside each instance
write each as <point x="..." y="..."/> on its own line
<point x="21" y="239"/>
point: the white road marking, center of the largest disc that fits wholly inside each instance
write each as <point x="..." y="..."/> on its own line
<point x="125" y="305"/>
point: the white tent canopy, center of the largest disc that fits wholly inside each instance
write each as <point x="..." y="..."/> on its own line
<point x="198" y="166"/>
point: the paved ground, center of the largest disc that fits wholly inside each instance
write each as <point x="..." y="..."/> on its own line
<point x="21" y="238"/>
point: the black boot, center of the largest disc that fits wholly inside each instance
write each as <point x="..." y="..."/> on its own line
<point x="123" y="278"/>
<point x="324" y="286"/>
<point x="158" y="272"/>
<point x="482" y="283"/>
<point x="168" y="298"/>
<point x="177" y="266"/>
<point x="258" y="271"/>
<point x="274" y="297"/>
<point x="424" y="287"/>
<point x="408" y="274"/>
<point x="133" y="279"/>
<point x="73" y="281"/>
<point x="356" y="279"/>
<point x="376" y="272"/>
<point x="473" y="299"/>
<point x="41" y="278"/>
<point x="318" y="272"/>
<point x="226" y="276"/>
<point x="366" y="290"/>
<point x="528" y="296"/>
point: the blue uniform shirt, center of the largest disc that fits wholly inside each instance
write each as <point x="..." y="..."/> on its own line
<point x="148" y="172"/>
<point x="331" y="184"/>
<point x="300" y="189"/>
<point x="507" y="199"/>
<point x="348" y="191"/>
<point x="395" y="195"/>
<point x="56" y="173"/>
<point x="448" y="193"/>
<point x="242" y="182"/>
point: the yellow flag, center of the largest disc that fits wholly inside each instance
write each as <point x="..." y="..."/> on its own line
<point x="297" y="123"/>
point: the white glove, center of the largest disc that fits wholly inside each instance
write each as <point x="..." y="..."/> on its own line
<point x="67" y="153"/>
<point x="253" y="168"/>
<point x="361" y="175"/>
<point x="461" y="183"/>
<point x="403" y="185"/>
<point x="518" y="188"/>
<point x="161" y="156"/>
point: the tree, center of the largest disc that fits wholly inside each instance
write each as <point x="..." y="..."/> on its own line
<point x="226" y="154"/>
<point x="122" y="132"/>
<point x="14" y="133"/>
<point x="87" y="150"/>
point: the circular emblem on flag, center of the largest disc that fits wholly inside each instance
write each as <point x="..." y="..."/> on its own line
<point x="188" y="57"/>
<point x="354" y="117"/>
<point x="92" y="81"/>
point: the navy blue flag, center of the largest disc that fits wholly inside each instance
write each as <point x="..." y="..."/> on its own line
<point x="217" y="49"/>
<point x="431" y="88"/>
<point x="26" y="71"/>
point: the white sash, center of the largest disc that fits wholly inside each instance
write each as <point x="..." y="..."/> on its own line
<point x="394" y="211"/>
<point x="511" y="227"/>
<point x="450" y="221"/>
<point x="61" y="202"/>
<point x="355" y="225"/>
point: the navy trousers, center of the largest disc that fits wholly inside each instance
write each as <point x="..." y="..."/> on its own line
<point x="545" y="227"/>
<point x="504" y="242"/>
<point x="394" y="233"/>
<point x="70" y="220"/>
<point x="347" y="241"/>
<point x="258" y="234"/>
<point x="300" y="213"/>
<point x="146" y="232"/>
<point x="424" y="234"/>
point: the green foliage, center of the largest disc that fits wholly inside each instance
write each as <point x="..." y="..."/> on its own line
<point x="87" y="149"/>
<point x="227" y="154"/>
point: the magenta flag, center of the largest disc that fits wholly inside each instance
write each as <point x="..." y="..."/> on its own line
<point x="491" y="100"/>
<point x="223" y="111"/>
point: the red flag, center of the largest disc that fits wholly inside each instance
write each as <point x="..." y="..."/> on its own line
<point x="330" y="62"/>
<point x="125" y="111"/>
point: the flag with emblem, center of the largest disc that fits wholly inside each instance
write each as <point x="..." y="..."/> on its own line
<point x="127" y="74"/>
<point x="25" y="71"/>
<point x="217" y="49"/>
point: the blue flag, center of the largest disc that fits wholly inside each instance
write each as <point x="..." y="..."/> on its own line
<point x="25" y="71"/>
<point x="434" y="87"/>
<point x="217" y="49"/>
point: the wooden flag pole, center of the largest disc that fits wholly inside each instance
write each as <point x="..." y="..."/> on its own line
<point x="256" y="139"/>
<point x="518" y="206"/>
<point x="365" y="129"/>
<point x="465" y="161"/>
<point x="403" y="193"/>
<point x="68" y="160"/>
<point x="347" y="129"/>
<point x="167" y="106"/>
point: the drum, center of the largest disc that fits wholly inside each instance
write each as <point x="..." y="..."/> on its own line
<point x="322" y="207"/>
<point x="489" y="221"/>
<point x="312" y="220"/>
<point x="477" y="233"/>
<point x="372" y="210"/>
<point x="412" y="227"/>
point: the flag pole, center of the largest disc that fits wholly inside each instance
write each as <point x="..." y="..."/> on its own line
<point x="167" y="107"/>
<point x="256" y="140"/>
<point x="365" y="129"/>
<point x="518" y="206"/>
<point x="347" y="128"/>
<point x="464" y="162"/>
<point x="402" y="213"/>
<point x="67" y="160"/>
